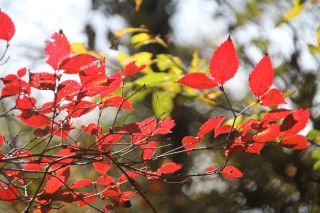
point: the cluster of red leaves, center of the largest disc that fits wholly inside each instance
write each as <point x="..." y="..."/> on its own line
<point x="53" y="119"/>
<point x="278" y="125"/>
<point x="110" y="147"/>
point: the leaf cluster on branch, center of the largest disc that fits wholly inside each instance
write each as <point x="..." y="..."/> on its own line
<point x="40" y="173"/>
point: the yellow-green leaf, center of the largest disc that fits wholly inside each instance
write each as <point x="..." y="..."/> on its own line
<point x="140" y="37"/>
<point x="162" y="103"/>
<point x="294" y="11"/>
<point x="141" y="58"/>
<point x="315" y="154"/>
<point x="169" y="62"/>
<point x="156" y="79"/>
<point x="316" y="166"/>
<point x="125" y="31"/>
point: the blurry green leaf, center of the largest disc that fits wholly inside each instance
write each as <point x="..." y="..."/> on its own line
<point x="162" y="103"/>
<point x="314" y="135"/>
<point x="166" y="61"/>
<point x="261" y="43"/>
<point x="196" y="62"/>
<point x="253" y="8"/>
<point x="156" y="79"/>
<point x="241" y="19"/>
<point x="139" y="96"/>
<point x="316" y="166"/>
<point x="313" y="49"/>
<point x="172" y="87"/>
<point x="315" y="154"/>
<point x="281" y="68"/>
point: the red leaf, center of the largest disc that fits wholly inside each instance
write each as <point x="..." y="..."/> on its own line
<point x="112" y="84"/>
<point x="64" y="154"/>
<point x="89" y="198"/>
<point x="267" y="135"/>
<point x="57" y="49"/>
<point x="223" y="129"/>
<point x="22" y="72"/>
<point x="224" y="62"/>
<point x="248" y="125"/>
<point x="211" y="169"/>
<point x="131" y="175"/>
<point x="75" y="64"/>
<point x="68" y="89"/>
<point x="7" y="28"/>
<point x="255" y="147"/>
<point x="275" y="115"/>
<point x="190" y="142"/>
<point x="111" y="193"/>
<point x="53" y="185"/>
<point x="105" y="180"/>
<point x="9" y="193"/>
<point x="101" y="167"/>
<point x="125" y="196"/>
<point x="34" y="119"/>
<point x="79" y="109"/>
<point x="210" y="125"/>
<point x="169" y="168"/>
<point x="297" y="142"/>
<point x="295" y="122"/>
<point x="1" y="140"/>
<point x="132" y="69"/>
<point x="236" y="147"/>
<point x="81" y="183"/>
<point x="148" y="150"/>
<point x="273" y="97"/>
<point x="164" y="127"/>
<point x="197" y="81"/>
<point x="231" y="172"/>
<point x="25" y="102"/>
<point x="33" y="167"/>
<point x="261" y="77"/>
<point x="14" y="86"/>
<point x="43" y="81"/>
<point x="117" y="101"/>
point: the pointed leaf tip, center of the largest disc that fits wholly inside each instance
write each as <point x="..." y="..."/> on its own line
<point x="224" y="62"/>
<point x="261" y="77"/>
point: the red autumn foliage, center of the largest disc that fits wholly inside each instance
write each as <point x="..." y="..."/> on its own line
<point x="55" y="154"/>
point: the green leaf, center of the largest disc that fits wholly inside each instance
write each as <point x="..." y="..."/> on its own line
<point x="162" y="103"/>
<point x="315" y="154"/>
<point x="157" y="79"/>
<point x="167" y="62"/>
<point x="316" y="166"/>
<point x="313" y="135"/>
